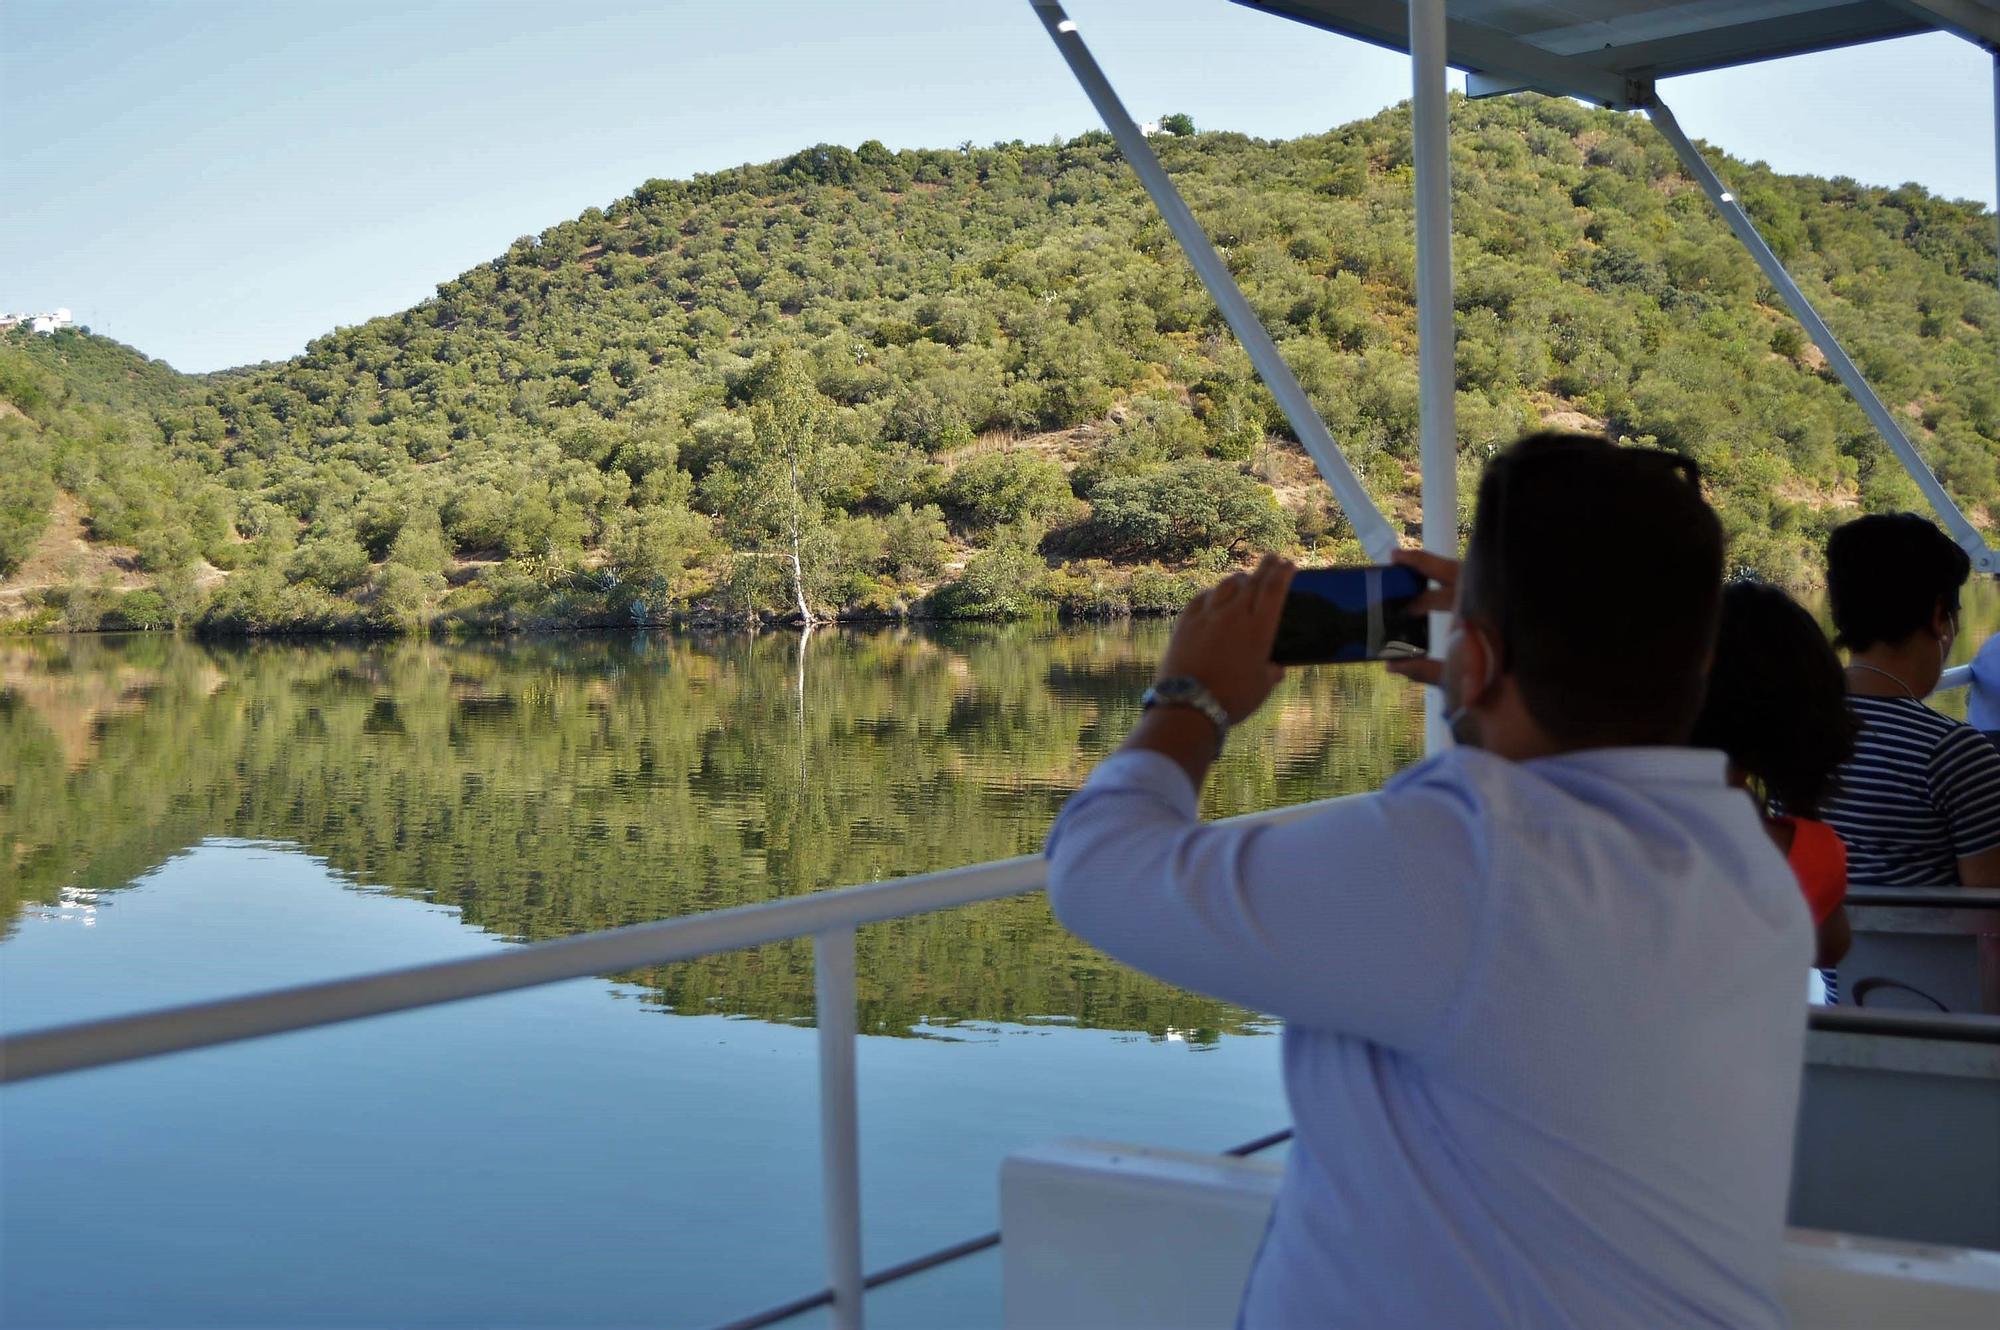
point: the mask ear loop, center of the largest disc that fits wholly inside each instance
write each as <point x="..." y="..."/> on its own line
<point x="1452" y="715"/>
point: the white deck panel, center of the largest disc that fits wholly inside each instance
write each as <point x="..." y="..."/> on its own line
<point x="1122" y="1237"/>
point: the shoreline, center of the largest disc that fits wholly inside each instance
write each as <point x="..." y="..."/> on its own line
<point x="691" y="624"/>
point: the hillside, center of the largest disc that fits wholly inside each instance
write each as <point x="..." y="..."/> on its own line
<point x="94" y="505"/>
<point x="984" y="381"/>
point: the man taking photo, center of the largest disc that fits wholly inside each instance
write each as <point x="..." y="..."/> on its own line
<point x="1543" y="1024"/>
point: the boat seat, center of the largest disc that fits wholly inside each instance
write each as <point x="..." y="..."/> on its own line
<point x="1100" y="1236"/>
<point x="1899" y="1127"/>
<point x="1923" y="949"/>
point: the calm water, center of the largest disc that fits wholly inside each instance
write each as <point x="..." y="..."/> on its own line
<point x="181" y="820"/>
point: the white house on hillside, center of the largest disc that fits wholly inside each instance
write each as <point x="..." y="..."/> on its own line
<point x="44" y="323"/>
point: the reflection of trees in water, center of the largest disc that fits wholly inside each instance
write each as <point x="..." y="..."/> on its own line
<point x="552" y="785"/>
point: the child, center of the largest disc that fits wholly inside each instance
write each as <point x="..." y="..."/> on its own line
<point x="1777" y="706"/>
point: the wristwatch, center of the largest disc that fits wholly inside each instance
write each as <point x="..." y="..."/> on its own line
<point x="1187" y="691"/>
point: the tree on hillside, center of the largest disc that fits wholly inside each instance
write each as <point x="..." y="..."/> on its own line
<point x="653" y="555"/>
<point x="410" y="582"/>
<point x="1177" y="510"/>
<point x="1179" y="124"/>
<point x="771" y="496"/>
<point x="25" y="495"/>
<point x="995" y="489"/>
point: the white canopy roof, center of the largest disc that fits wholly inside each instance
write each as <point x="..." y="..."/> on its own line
<point x="1610" y="51"/>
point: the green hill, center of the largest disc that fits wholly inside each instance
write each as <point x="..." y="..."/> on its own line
<point x="82" y="442"/>
<point x="984" y="381"/>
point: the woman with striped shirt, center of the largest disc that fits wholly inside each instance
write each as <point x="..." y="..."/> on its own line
<point x="1919" y="802"/>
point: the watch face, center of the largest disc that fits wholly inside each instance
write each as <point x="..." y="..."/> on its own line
<point x="1175" y="690"/>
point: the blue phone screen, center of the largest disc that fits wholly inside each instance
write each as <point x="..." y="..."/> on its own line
<point x="1335" y="615"/>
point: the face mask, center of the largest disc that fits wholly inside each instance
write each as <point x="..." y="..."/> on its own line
<point x="1453" y="715"/>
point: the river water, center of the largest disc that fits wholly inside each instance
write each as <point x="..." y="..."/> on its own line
<point x="181" y="820"/>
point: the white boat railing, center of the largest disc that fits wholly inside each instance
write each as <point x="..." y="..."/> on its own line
<point x="829" y="918"/>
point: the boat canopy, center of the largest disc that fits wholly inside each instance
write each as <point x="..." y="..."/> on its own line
<point x="1612" y="51"/>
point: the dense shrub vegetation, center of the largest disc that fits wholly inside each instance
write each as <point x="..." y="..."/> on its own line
<point x="984" y="381"/>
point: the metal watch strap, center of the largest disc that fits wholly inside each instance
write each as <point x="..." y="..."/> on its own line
<point x="1186" y="691"/>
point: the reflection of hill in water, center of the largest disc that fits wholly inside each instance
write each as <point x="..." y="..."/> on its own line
<point x="555" y="785"/>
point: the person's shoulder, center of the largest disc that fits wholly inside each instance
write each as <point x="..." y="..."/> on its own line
<point x="1447" y="804"/>
<point x="1960" y="742"/>
<point x="1905" y="707"/>
<point x="1456" y="770"/>
<point x="1470" y="783"/>
<point x="1903" y="718"/>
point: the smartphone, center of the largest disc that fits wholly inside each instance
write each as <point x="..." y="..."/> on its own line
<point x="1337" y="615"/>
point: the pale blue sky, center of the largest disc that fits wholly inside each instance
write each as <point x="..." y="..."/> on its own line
<point x="218" y="182"/>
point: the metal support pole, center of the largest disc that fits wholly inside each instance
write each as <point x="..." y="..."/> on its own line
<point x="1377" y="537"/>
<point x="1962" y="530"/>
<point x="1437" y="374"/>
<point x="839" y="1125"/>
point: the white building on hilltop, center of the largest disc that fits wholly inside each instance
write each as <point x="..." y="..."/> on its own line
<point x="44" y="323"/>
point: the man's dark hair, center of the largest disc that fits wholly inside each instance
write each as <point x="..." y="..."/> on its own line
<point x="1888" y="574"/>
<point x="1777" y="698"/>
<point x="1600" y="568"/>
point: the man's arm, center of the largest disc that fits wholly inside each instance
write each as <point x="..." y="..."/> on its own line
<point x="1223" y="638"/>
<point x="1182" y="735"/>
<point x="1834" y="936"/>
<point x="1358" y="916"/>
<point x="1355" y="917"/>
<point x="1965" y="786"/>
<point x="1979" y="870"/>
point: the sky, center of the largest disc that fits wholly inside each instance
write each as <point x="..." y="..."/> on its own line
<point x="217" y="183"/>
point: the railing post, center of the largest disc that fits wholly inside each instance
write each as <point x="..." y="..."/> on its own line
<point x="1437" y="415"/>
<point x="839" y="1125"/>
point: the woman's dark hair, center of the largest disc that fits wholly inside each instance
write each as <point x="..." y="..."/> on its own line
<point x="1777" y="698"/>
<point x="1599" y="568"/>
<point x="1887" y="575"/>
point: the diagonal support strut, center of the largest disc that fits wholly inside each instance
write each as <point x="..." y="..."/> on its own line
<point x="1967" y="535"/>
<point x="1377" y="537"/>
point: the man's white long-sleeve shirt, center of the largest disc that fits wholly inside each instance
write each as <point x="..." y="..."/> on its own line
<point x="1543" y="1030"/>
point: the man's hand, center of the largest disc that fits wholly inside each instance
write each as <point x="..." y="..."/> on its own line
<point x="1443" y="596"/>
<point x="1224" y="637"/>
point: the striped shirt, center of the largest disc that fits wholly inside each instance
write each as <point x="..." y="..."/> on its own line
<point x="1921" y="792"/>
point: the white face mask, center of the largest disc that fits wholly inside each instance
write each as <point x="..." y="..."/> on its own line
<point x="1452" y="715"/>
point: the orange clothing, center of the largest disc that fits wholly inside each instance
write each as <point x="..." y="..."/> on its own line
<point x="1819" y="860"/>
